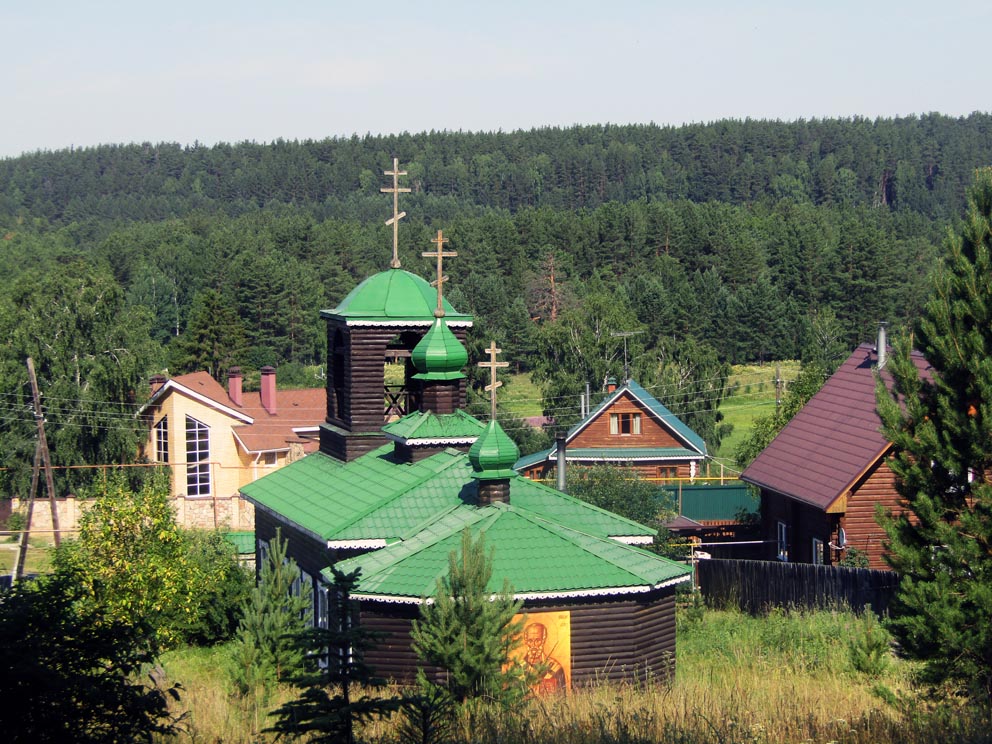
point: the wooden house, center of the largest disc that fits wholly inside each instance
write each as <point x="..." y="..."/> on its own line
<point x="399" y="476"/>
<point x="630" y="428"/>
<point x="827" y="471"/>
<point x="216" y="440"/>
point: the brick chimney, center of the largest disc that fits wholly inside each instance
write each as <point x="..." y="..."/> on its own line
<point x="155" y="382"/>
<point x="611" y="385"/>
<point x="234" y="381"/>
<point x="269" y="389"/>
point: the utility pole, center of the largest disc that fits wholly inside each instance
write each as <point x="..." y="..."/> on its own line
<point x="42" y="453"/>
<point x="778" y="389"/>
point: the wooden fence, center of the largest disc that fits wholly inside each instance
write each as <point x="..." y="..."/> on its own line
<point x="757" y="586"/>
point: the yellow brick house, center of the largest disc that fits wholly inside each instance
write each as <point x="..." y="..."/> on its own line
<point x="216" y="440"/>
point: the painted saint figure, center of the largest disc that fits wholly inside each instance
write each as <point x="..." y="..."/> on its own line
<point x="553" y="679"/>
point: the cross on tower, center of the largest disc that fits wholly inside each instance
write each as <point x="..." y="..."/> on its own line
<point x="492" y="364"/>
<point x="397" y="215"/>
<point x="440" y="254"/>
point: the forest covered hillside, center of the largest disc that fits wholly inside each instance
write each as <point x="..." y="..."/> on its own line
<point x="736" y="241"/>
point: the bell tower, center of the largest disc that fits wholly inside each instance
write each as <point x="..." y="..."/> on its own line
<point x="383" y="318"/>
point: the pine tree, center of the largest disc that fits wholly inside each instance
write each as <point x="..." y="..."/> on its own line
<point x="943" y="459"/>
<point x="334" y="663"/>
<point x="468" y="630"/>
<point x="264" y="652"/>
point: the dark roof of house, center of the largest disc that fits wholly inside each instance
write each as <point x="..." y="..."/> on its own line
<point x="832" y="441"/>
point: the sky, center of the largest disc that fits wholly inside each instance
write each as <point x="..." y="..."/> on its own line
<point x="79" y="74"/>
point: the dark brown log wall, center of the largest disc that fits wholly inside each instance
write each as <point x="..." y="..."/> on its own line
<point x="863" y="532"/>
<point x="611" y="640"/>
<point x="310" y="555"/>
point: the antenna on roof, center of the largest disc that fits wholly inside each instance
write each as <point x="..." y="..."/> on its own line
<point x="624" y="335"/>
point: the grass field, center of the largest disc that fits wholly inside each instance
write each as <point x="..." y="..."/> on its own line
<point x="753" y="395"/>
<point x="780" y="678"/>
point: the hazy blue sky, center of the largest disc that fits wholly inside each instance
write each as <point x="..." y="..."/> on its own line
<point x="85" y="73"/>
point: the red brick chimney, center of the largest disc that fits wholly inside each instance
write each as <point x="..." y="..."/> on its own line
<point x="269" y="389"/>
<point x="234" y="380"/>
<point x="611" y="385"/>
<point x="156" y="381"/>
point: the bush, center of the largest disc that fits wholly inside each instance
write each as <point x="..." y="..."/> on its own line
<point x="869" y="647"/>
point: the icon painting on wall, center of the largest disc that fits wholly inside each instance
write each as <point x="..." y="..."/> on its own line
<point x="546" y="644"/>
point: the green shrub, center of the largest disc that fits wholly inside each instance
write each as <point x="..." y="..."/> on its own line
<point x="869" y="646"/>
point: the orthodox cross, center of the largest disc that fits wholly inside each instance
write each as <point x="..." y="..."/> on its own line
<point x="397" y="214"/>
<point x="440" y="254"/>
<point x="492" y="364"/>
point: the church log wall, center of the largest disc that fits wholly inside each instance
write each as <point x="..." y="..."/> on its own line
<point x="611" y="640"/>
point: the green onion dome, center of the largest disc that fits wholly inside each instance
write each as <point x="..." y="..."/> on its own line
<point x="493" y="454"/>
<point x="439" y="355"/>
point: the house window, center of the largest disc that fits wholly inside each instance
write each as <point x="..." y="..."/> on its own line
<point x="668" y="472"/>
<point x="197" y="458"/>
<point x="817" y="552"/>
<point x="162" y="440"/>
<point x="625" y="424"/>
<point x="263" y="554"/>
<point x="268" y="459"/>
<point x="783" y="541"/>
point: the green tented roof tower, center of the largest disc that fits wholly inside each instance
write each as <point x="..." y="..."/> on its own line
<point x="382" y="319"/>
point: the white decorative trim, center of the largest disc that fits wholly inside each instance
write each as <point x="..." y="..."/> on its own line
<point x="407" y="323"/>
<point x="642" y="589"/>
<point x="633" y="539"/>
<point x="431" y="442"/>
<point x="345" y="544"/>
<point x="306" y="429"/>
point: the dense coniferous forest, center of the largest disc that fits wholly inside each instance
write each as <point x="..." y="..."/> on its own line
<point x="728" y="242"/>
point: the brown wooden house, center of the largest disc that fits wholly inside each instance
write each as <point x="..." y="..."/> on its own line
<point x="630" y="428"/>
<point x="827" y="471"/>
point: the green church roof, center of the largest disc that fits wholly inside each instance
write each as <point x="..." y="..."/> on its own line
<point x="540" y="558"/>
<point x="375" y="499"/>
<point x="439" y="355"/>
<point x="393" y="297"/>
<point x="430" y="428"/>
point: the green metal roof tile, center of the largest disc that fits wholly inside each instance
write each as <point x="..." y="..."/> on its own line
<point x="426" y="425"/>
<point x="243" y="541"/>
<point x="535" y="554"/>
<point x="390" y="296"/>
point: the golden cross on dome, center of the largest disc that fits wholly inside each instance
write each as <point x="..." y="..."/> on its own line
<point x="397" y="214"/>
<point x="440" y="254"/>
<point x="492" y="364"/>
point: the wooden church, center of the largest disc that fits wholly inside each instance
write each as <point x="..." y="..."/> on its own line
<point x="401" y="473"/>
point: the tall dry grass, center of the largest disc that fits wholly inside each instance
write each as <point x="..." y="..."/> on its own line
<point x="781" y="678"/>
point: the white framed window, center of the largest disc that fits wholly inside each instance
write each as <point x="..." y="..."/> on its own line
<point x="268" y="459"/>
<point x="197" y="458"/>
<point x="783" y="541"/>
<point x="625" y="424"/>
<point x="162" y="440"/>
<point x="817" y="551"/>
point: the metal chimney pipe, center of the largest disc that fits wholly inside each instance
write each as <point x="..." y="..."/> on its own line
<point x="881" y="344"/>
<point x="560" y="444"/>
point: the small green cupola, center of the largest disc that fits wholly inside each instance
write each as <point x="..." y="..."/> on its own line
<point x="439" y="355"/>
<point x="493" y="454"/>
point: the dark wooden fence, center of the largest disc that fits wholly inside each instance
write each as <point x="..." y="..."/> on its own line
<point x="757" y="586"/>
